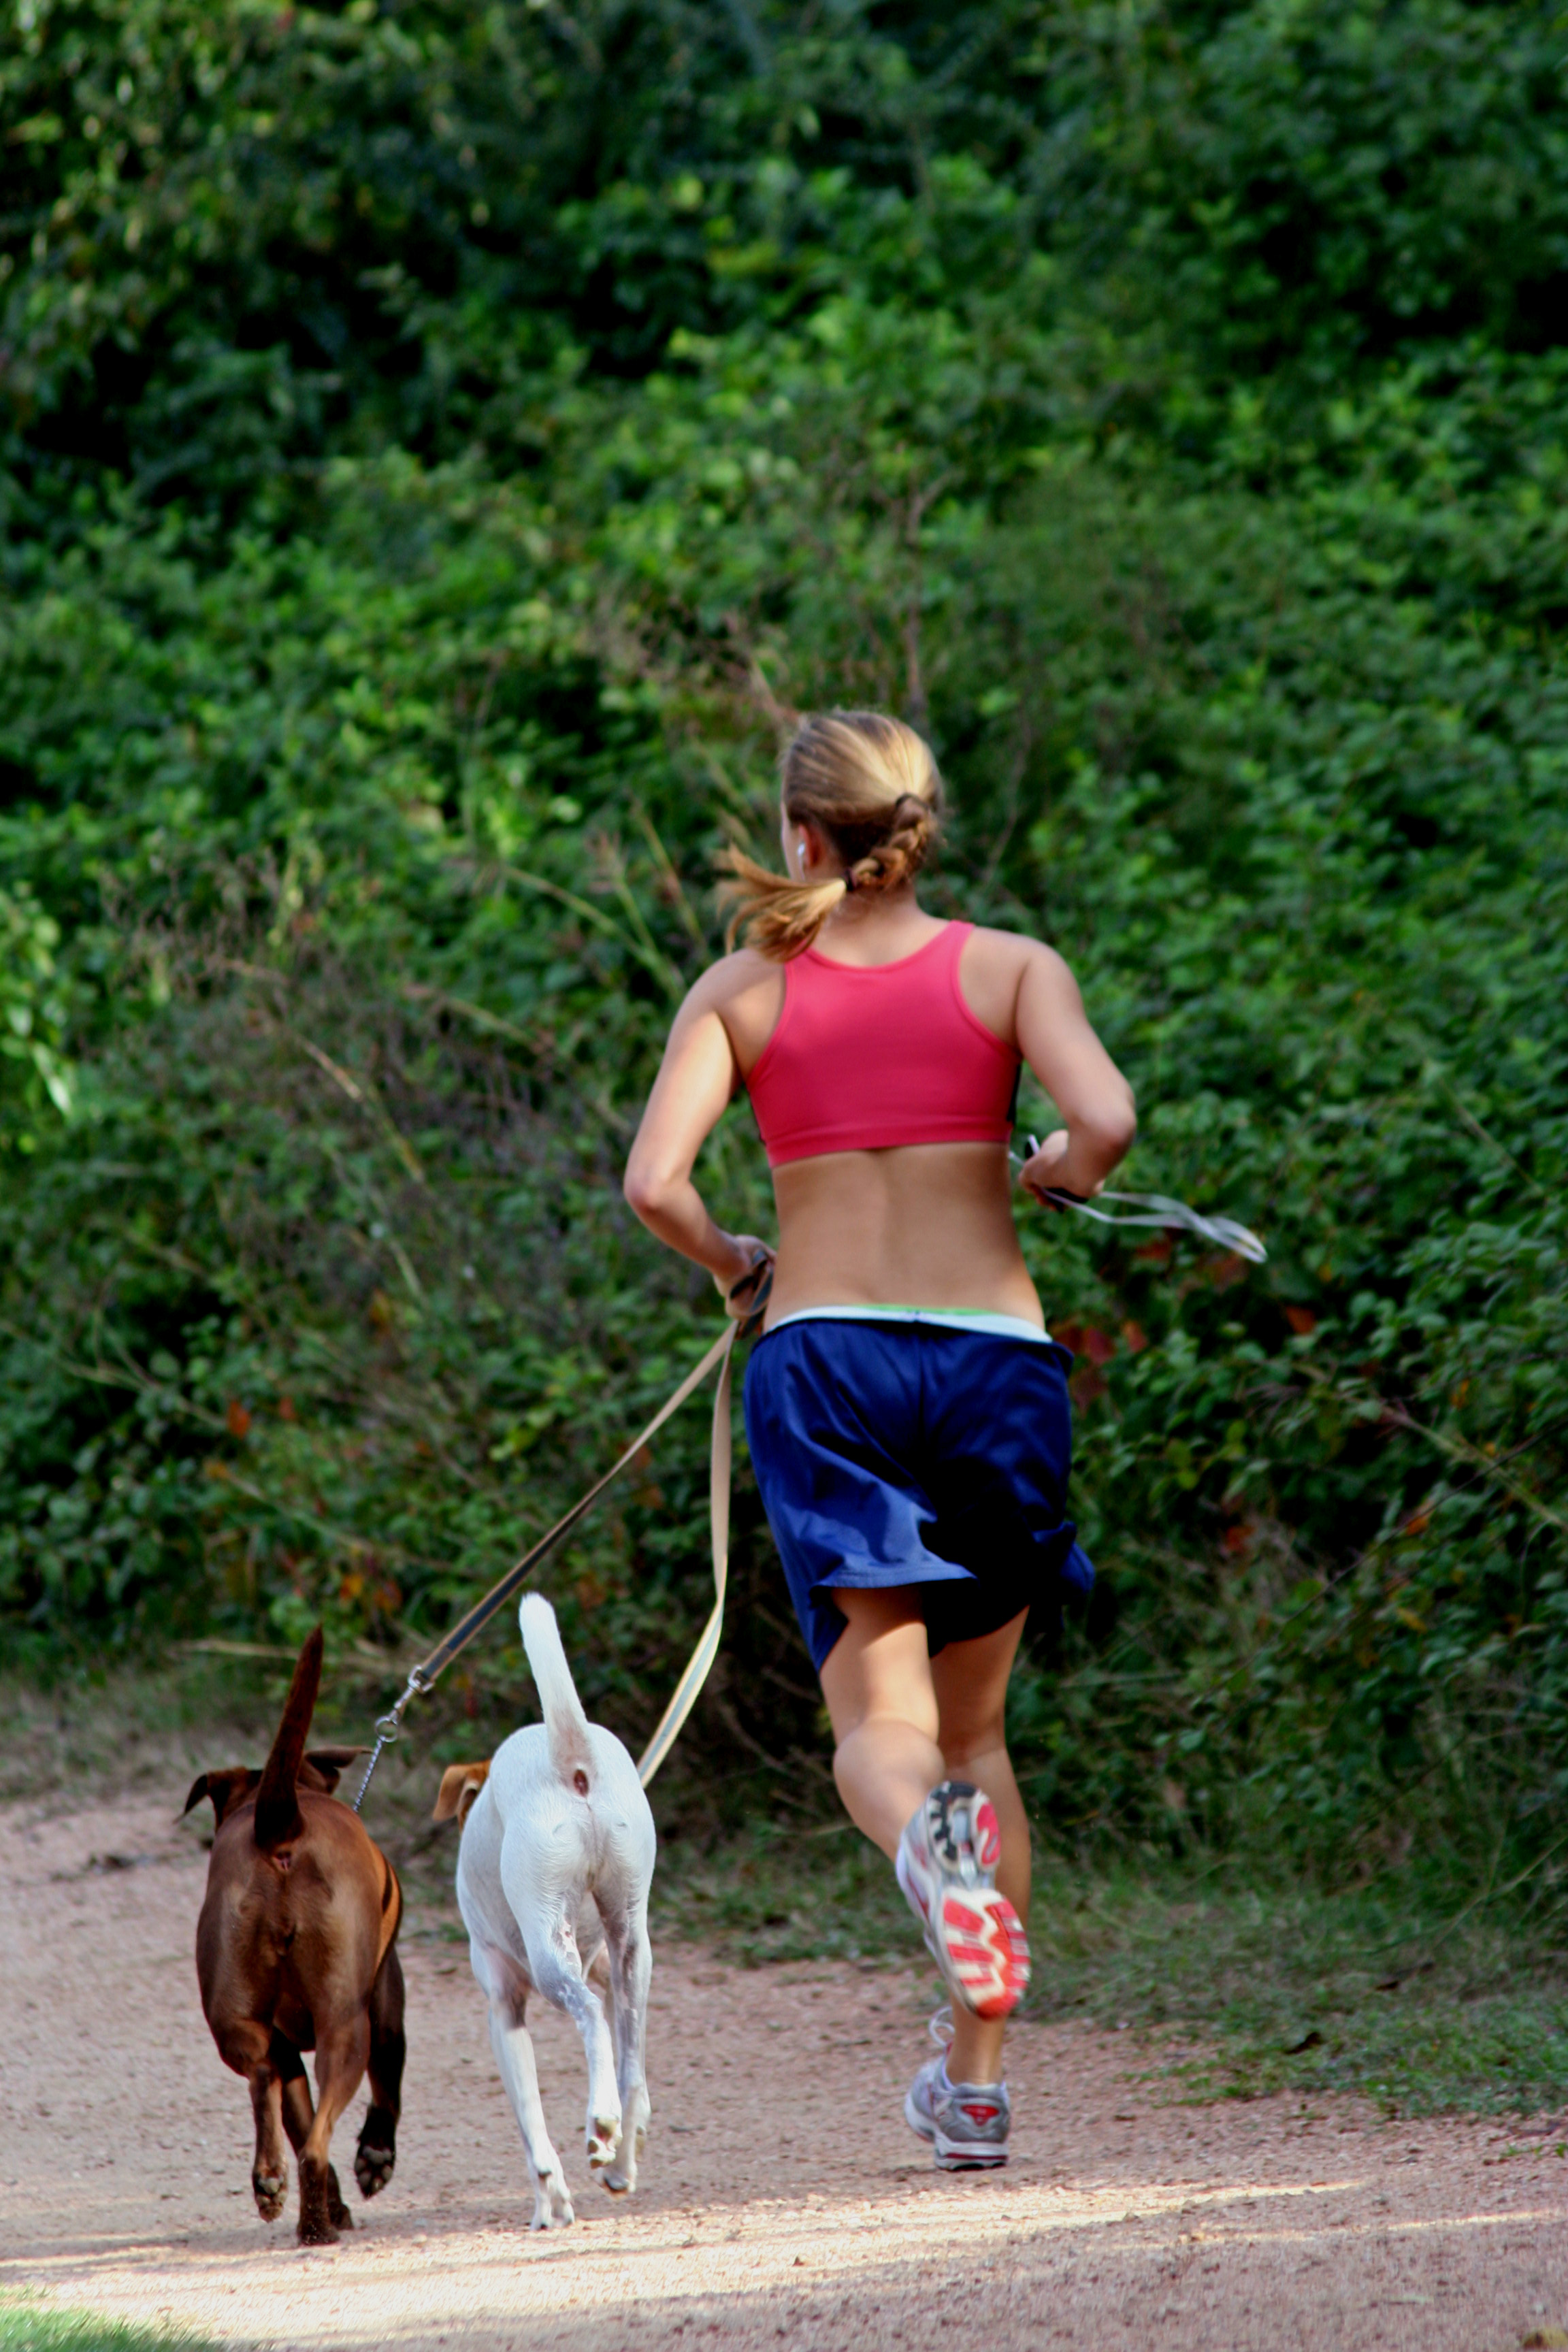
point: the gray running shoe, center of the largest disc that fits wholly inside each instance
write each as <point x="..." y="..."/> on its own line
<point x="966" y="2122"/>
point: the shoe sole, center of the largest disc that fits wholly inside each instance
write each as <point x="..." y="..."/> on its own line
<point x="952" y="2157"/>
<point x="984" y="1840"/>
<point x="977" y="1939"/>
<point x="983" y="1950"/>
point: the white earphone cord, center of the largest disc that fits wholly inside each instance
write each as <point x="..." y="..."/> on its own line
<point x="1159" y="1208"/>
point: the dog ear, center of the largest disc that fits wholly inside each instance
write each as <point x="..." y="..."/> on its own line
<point x="323" y="1767"/>
<point x="460" y="1784"/>
<point x="225" y="1789"/>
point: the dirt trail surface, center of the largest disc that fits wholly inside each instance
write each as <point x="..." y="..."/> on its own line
<point x="785" y="2203"/>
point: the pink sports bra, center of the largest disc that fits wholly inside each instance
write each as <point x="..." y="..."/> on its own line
<point x="869" y="1056"/>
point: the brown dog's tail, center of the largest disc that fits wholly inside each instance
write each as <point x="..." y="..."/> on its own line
<point x="278" y="1815"/>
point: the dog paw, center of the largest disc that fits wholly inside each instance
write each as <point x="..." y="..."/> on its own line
<point x="338" y="2213"/>
<point x="621" y="2178"/>
<point x="604" y="2140"/>
<point x="270" y="2190"/>
<point x="552" y="2206"/>
<point x="318" y="2232"/>
<point x="372" y="2168"/>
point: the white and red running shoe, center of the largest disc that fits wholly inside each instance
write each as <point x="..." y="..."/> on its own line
<point x="947" y="1867"/>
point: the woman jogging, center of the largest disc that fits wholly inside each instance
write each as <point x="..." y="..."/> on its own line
<point x="906" y="1411"/>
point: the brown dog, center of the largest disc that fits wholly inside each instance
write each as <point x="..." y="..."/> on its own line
<point x="295" y="1951"/>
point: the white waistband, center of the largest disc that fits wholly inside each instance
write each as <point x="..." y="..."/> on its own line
<point x="945" y="1318"/>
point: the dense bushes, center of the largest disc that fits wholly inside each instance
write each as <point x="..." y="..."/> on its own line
<point x="440" y="447"/>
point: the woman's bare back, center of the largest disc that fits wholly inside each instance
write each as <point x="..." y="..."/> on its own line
<point x="919" y="1224"/>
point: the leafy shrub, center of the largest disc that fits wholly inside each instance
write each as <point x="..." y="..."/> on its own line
<point x="1141" y="404"/>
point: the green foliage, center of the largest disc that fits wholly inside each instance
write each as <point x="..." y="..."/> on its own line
<point x="32" y="1018"/>
<point x="441" y="447"/>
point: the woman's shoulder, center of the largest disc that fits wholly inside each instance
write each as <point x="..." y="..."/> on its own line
<point x="1000" y="971"/>
<point x="1009" y="950"/>
<point x="746" y="993"/>
<point x="735" y="975"/>
<point x="745" y="985"/>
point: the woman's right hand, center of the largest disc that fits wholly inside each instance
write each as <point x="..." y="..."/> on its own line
<point x="737" y="1281"/>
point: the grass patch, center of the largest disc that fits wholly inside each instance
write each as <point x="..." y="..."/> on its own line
<point x="1386" y="1989"/>
<point x="27" y="2327"/>
<point x="771" y="1894"/>
<point x="1235" y="1987"/>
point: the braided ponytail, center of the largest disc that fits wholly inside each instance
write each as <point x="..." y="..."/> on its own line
<point x="870" y="786"/>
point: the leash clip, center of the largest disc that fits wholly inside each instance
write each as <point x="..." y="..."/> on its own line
<point x="388" y="1728"/>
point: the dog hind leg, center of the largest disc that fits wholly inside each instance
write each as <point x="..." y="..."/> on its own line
<point x="269" y="2167"/>
<point x="378" y="2150"/>
<point x="506" y="1990"/>
<point x="342" y="2050"/>
<point x="631" y="1968"/>
<point x="298" y="2115"/>
<point x="298" y="2107"/>
<point x="244" y="2046"/>
<point x="557" y="1971"/>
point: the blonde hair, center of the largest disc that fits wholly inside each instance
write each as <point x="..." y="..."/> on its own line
<point x="870" y="786"/>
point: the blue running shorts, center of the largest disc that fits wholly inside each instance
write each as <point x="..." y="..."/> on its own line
<point x="894" y="1452"/>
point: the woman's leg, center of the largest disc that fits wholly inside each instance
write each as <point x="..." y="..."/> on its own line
<point x="903" y="1721"/>
<point x="881" y="1702"/>
<point x="970" y="1681"/>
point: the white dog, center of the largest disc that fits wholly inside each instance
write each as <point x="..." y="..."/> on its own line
<point x="555" y="1864"/>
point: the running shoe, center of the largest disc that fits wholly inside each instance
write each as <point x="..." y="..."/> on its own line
<point x="947" y="1866"/>
<point x="966" y="2122"/>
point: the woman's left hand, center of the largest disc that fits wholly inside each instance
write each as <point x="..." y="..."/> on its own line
<point x="1043" y="1170"/>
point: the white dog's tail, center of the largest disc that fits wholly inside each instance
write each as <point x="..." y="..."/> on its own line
<point x="564" y="1721"/>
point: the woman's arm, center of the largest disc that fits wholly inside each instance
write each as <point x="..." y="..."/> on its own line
<point x="696" y="1080"/>
<point x="1084" y="1083"/>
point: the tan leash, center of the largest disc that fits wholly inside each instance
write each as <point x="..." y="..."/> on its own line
<point x="745" y="1319"/>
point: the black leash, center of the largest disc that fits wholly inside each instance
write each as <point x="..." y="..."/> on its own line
<point x="745" y="1319"/>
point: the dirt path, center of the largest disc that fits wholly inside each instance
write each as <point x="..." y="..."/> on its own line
<point x="785" y="2205"/>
